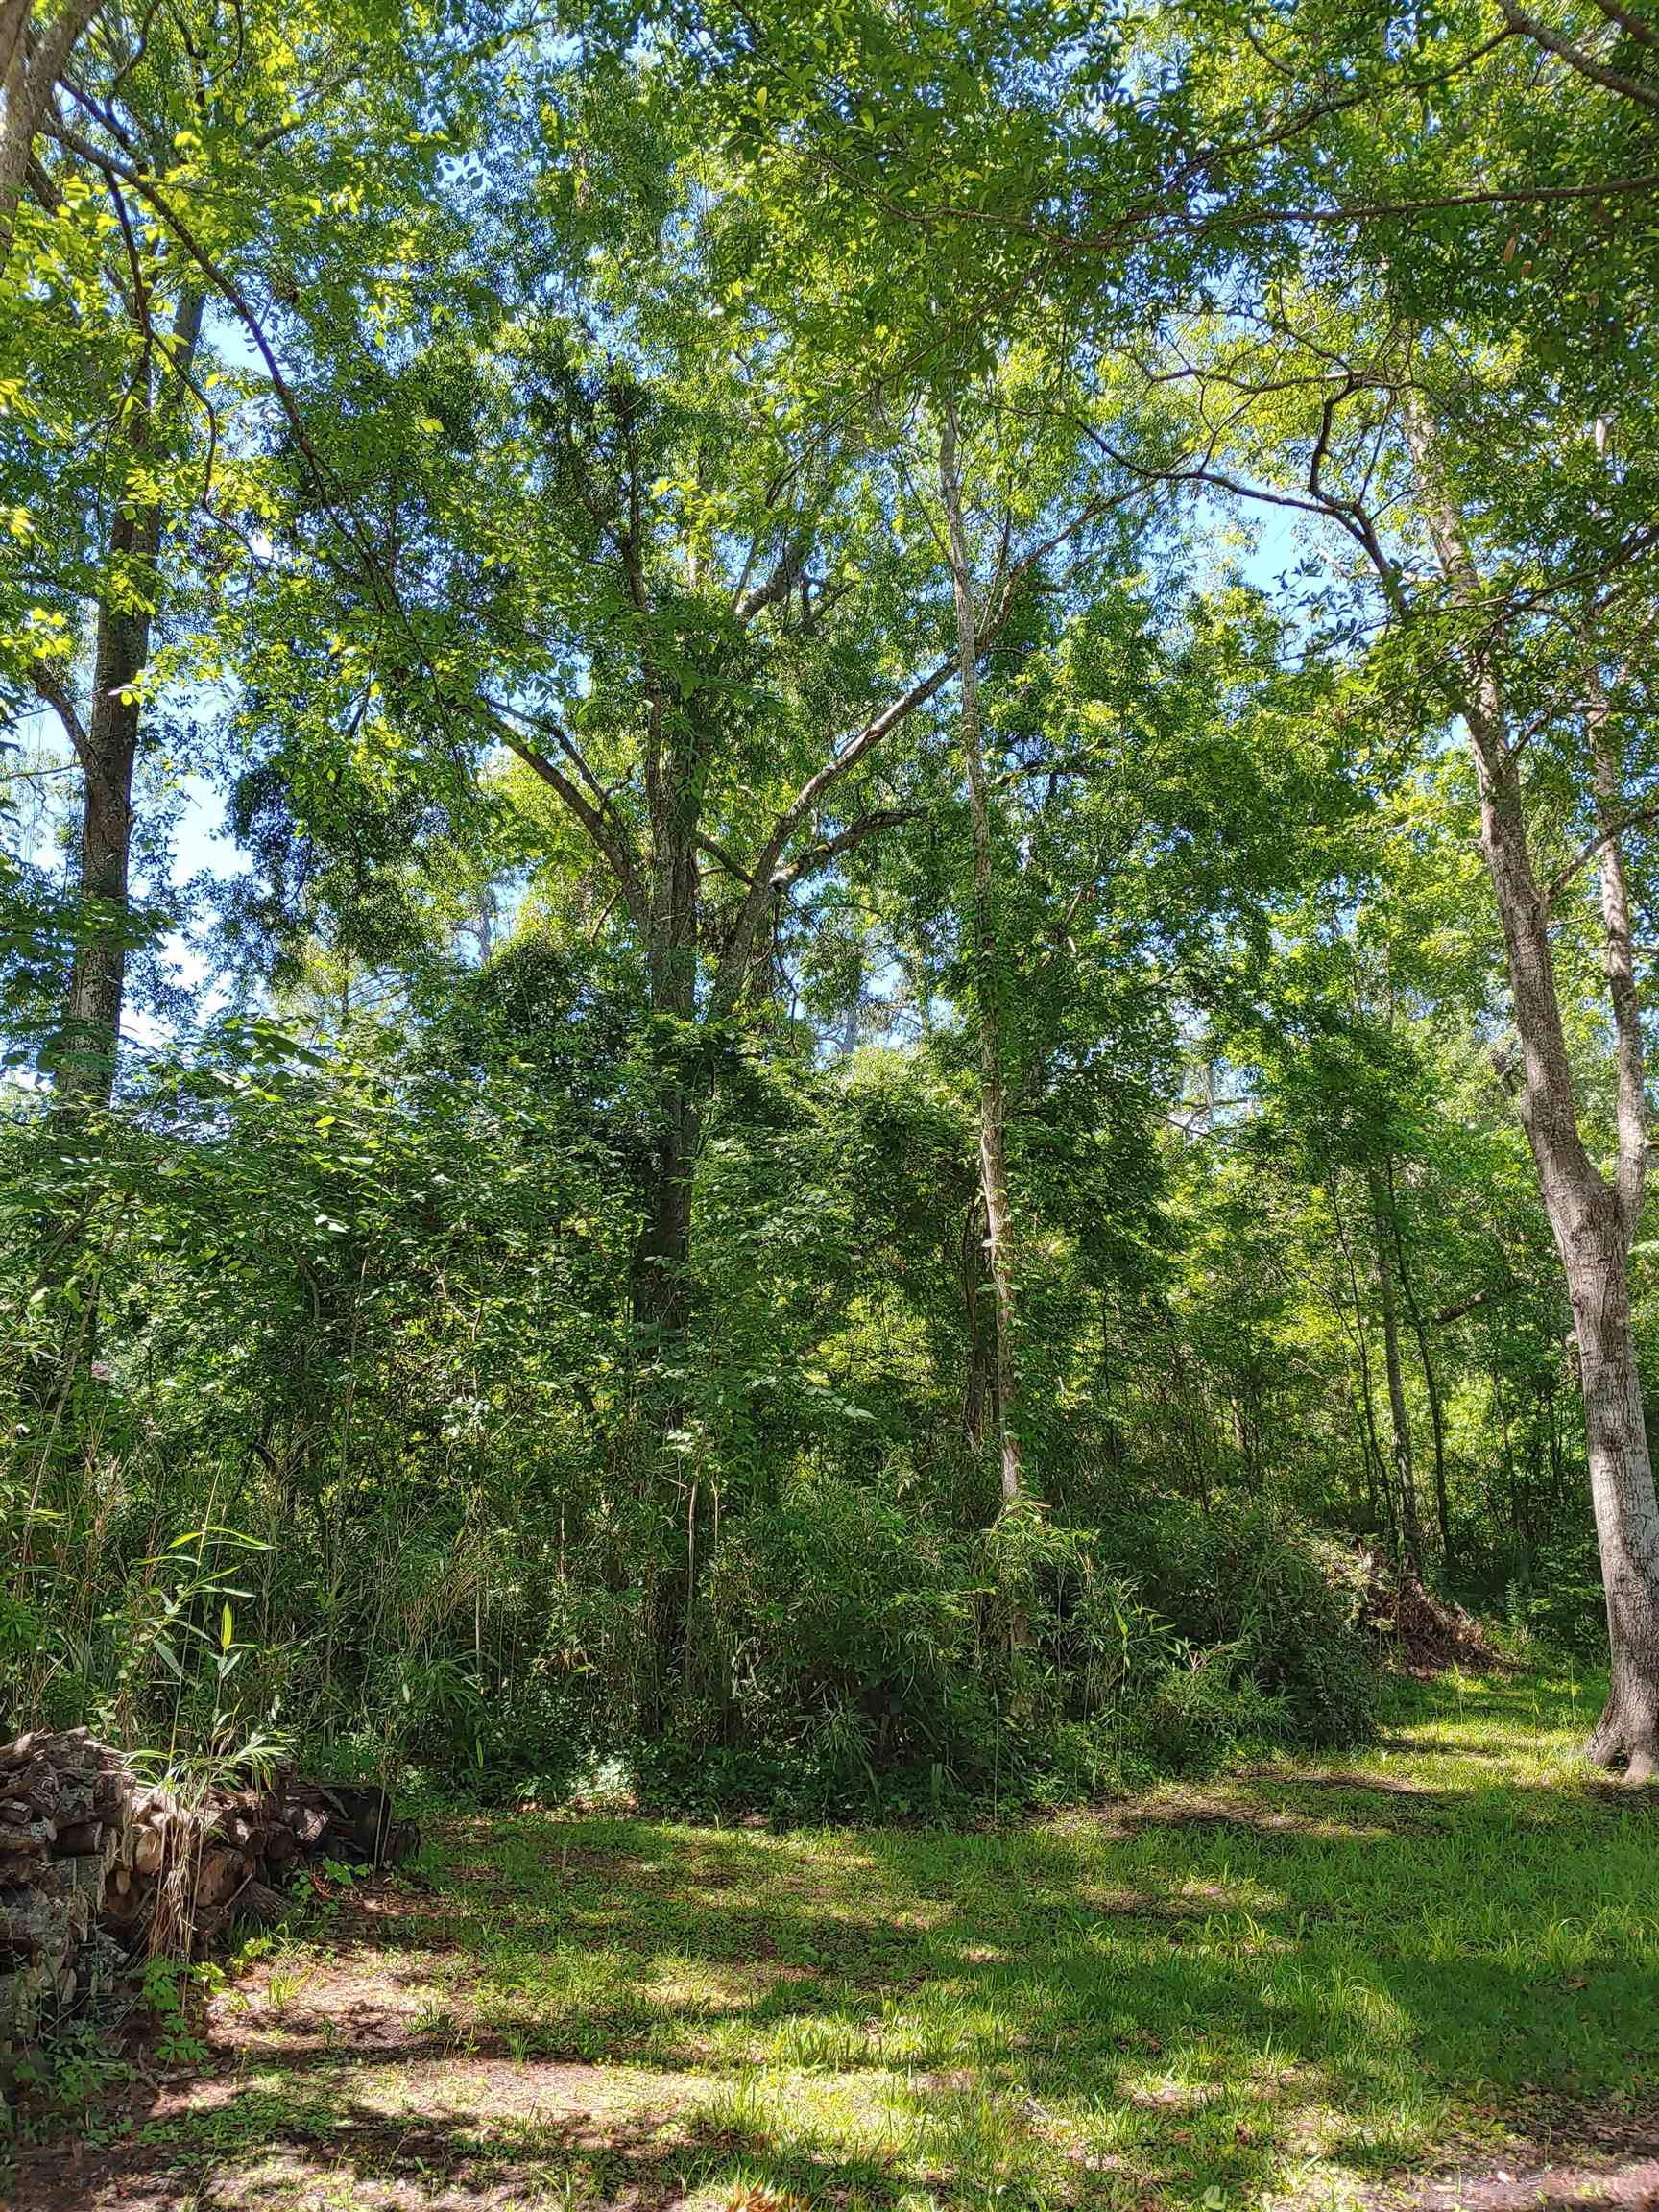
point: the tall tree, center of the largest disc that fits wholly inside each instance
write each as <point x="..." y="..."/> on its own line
<point x="186" y="170"/>
<point x="1395" y="388"/>
<point x="106" y="737"/>
<point x="986" y="964"/>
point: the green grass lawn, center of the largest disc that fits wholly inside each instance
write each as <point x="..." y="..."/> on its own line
<point x="1286" y="1985"/>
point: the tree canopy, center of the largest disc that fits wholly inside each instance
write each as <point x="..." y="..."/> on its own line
<point x="937" y="728"/>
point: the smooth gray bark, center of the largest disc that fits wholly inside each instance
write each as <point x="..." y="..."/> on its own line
<point x="1593" y="1216"/>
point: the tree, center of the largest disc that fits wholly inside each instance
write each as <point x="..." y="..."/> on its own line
<point x="37" y="46"/>
<point x="185" y="171"/>
<point x="986" y="965"/>
<point x="627" y="542"/>
<point x="1409" y="429"/>
<point x="106" y="738"/>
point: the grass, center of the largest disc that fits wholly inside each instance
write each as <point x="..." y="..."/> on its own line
<point x="1285" y="1986"/>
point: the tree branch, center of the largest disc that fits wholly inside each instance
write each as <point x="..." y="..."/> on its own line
<point x="844" y="841"/>
<point x="1471" y="1304"/>
<point x="46" y="681"/>
<point x="718" y="851"/>
<point x="1637" y="818"/>
<point x="1575" y="58"/>
<point x="594" y="819"/>
<point x="733" y="961"/>
<point x="791" y="567"/>
<point x="1627" y="20"/>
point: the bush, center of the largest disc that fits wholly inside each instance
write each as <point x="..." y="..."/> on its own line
<point x="844" y="1630"/>
<point x="1200" y="1711"/>
<point x="855" y="1657"/>
<point x="1557" y="1601"/>
<point x="1277" y="1606"/>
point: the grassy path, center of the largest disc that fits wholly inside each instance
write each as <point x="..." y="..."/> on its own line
<point x="1298" y="1986"/>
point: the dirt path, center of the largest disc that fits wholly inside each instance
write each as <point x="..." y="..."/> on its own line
<point x="1619" y="2181"/>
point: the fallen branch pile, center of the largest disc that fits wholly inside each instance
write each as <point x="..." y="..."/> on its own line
<point x="1425" y="1633"/>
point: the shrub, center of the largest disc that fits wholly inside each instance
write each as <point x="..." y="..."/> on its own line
<point x="1281" y="1604"/>
<point x="846" y="1629"/>
<point x="1558" y="1602"/>
<point x="855" y="1656"/>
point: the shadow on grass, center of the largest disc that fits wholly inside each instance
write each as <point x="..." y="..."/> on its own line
<point x="1286" y="1980"/>
<point x="259" y="2153"/>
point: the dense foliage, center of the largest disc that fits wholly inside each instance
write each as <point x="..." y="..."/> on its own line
<point x="940" y="855"/>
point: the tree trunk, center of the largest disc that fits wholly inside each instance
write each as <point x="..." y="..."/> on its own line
<point x="1436" y="1412"/>
<point x="979" y="1384"/>
<point x="1405" y="1471"/>
<point x="1593" y="1231"/>
<point x="663" y="1250"/>
<point x="987" y="971"/>
<point x="1375" y="1466"/>
<point x="660" y="1273"/>
<point x="1621" y="1488"/>
<point x="1592" y="1217"/>
<point x="89" y="1039"/>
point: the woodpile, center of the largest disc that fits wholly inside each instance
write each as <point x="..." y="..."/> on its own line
<point x="98" y="1868"/>
<point x="187" y="1869"/>
<point x="62" y="1805"/>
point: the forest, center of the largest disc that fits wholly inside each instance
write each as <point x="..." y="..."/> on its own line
<point x="828" y="887"/>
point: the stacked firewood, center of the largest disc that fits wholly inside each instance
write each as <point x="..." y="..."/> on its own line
<point x="187" y="1869"/>
<point x="191" y="1865"/>
<point x="98" y="1866"/>
<point x="63" y="1800"/>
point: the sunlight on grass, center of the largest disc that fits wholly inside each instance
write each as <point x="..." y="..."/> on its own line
<point x="1276" y="1988"/>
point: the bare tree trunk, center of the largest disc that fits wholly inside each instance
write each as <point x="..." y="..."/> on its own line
<point x="1592" y="1218"/>
<point x="987" y="969"/>
<point x="1404" y="1471"/>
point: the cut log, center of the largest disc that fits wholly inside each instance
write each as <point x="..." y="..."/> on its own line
<point x="32" y="1842"/>
<point x="309" y="1825"/>
<point x="220" y="1873"/>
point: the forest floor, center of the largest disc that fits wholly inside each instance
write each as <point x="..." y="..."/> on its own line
<point x="1426" y="1976"/>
